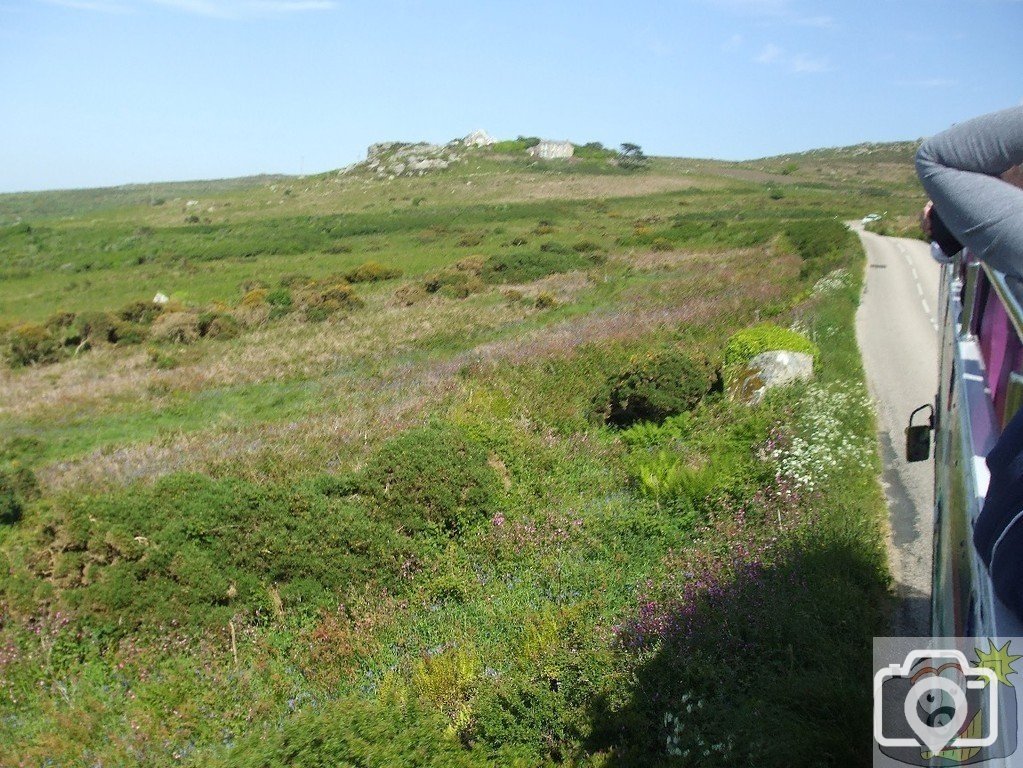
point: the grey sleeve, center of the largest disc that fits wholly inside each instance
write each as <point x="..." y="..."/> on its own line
<point x="959" y="168"/>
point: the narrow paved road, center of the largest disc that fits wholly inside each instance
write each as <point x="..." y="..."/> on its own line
<point x="897" y="330"/>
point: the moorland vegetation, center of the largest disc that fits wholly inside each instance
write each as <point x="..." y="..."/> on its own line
<point x="440" y="470"/>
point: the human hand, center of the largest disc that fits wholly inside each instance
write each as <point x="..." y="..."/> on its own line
<point x="1014" y="176"/>
<point x="925" y="218"/>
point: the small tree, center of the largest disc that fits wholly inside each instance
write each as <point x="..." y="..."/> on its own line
<point x="631" y="157"/>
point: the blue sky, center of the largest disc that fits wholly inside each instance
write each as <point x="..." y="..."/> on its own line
<point x="104" y="92"/>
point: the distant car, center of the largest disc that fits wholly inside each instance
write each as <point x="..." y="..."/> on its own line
<point x="871" y="217"/>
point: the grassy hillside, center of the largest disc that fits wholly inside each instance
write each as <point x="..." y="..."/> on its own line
<point x="438" y="469"/>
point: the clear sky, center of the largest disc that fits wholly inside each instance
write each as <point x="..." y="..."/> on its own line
<point x="105" y="92"/>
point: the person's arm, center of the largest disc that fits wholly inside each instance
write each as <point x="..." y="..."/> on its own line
<point x="960" y="169"/>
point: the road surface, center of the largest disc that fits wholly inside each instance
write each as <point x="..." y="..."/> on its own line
<point x="897" y="330"/>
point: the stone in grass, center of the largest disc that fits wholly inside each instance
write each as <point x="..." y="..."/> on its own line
<point x="770" y="369"/>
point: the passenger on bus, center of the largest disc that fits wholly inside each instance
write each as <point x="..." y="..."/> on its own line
<point x="971" y="172"/>
<point x="968" y="172"/>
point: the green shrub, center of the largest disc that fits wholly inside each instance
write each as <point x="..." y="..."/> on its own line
<point x="254" y="297"/>
<point x="514" y="146"/>
<point x="98" y="327"/>
<point x="201" y="550"/>
<point x="142" y="312"/>
<point x="355" y="732"/>
<point x="526" y="713"/>
<point x="371" y="272"/>
<point x="279" y="297"/>
<point x="126" y="332"/>
<point x="453" y="283"/>
<point x="432" y="478"/>
<point x="31" y="343"/>
<point x="816" y="238"/>
<point x="60" y="321"/>
<point x="525" y="266"/>
<point x="218" y="325"/>
<point x="545" y="300"/>
<point x="659" y="385"/>
<point x="746" y="344"/>
<point x="410" y="293"/>
<point x="333" y="299"/>
<point x="594" y="150"/>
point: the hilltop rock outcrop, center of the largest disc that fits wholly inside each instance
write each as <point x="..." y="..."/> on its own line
<point x="390" y="159"/>
<point x="552" y="150"/>
<point x="479" y="138"/>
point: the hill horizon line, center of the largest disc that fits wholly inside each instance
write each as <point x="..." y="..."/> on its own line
<point x="270" y="177"/>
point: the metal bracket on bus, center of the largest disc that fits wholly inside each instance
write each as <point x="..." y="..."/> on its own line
<point x="1013" y="397"/>
<point x="966" y="320"/>
<point x="918" y="438"/>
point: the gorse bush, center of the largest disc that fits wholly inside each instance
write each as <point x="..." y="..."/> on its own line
<point x="198" y="551"/>
<point x="453" y="283"/>
<point x="816" y="238"/>
<point x="64" y="332"/>
<point x="31" y="343"/>
<point x="254" y="297"/>
<point x="545" y="300"/>
<point x="524" y="267"/>
<point x="371" y="272"/>
<point x="323" y="302"/>
<point x="218" y="325"/>
<point x="139" y="321"/>
<point x="143" y="312"/>
<point x="820" y="243"/>
<point x="653" y="387"/>
<point x="279" y="297"/>
<point x="355" y="732"/>
<point x="432" y="478"/>
<point x="750" y="342"/>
